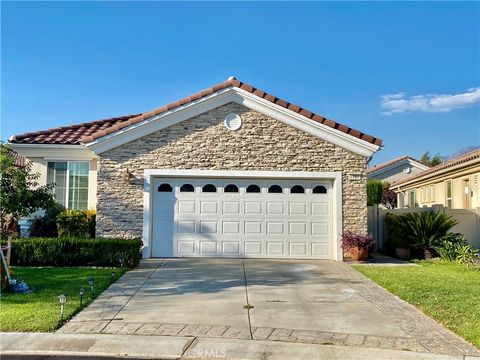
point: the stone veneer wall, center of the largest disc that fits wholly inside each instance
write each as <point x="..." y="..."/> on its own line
<point x="204" y="143"/>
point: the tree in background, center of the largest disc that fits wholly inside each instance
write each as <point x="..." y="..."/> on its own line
<point x="20" y="194"/>
<point x="429" y="160"/>
<point x="389" y="197"/>
<point x="374" y="191"/>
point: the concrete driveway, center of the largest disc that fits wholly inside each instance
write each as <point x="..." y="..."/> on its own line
<point x="308" y="301"/>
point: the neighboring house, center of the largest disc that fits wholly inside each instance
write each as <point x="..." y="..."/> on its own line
<point x="230" y="171"/>
<point x="396" y="169"/>
<point x="454" y="184"/>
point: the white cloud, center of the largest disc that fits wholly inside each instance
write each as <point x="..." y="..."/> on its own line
<point x="399" y="103"/>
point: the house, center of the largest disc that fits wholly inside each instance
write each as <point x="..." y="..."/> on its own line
<point x="396" y="169"/>
<point x="230" y="171"/>
<point x="453" y="184"/>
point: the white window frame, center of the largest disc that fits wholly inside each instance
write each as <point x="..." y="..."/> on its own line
<point x="451" y="193"/>
<point x="67" y="180"/>
<point x="414" y="198"/>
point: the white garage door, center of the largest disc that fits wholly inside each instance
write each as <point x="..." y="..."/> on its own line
<point x="242" y="218"/>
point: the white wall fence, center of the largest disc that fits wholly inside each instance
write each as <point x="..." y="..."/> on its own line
<point x="468" y="222"/>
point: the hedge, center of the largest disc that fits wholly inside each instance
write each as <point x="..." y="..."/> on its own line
<point x="75" y="252"/>
<point x="76" y="223"/>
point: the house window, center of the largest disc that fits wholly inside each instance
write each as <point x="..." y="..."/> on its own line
<point x="411" y="199"/>
<point x="448" y="194"/>
<point x="432" y="192"/>
<point x="71" y="183"/>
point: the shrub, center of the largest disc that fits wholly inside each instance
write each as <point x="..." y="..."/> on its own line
<point x="394" y="237"/>
<point x="76" y="223"/>
<point x="449" y="246"/>
<point x="467" y="255"/>
<point x="46" y="225"/>
<point x="75" y="252"/>
<point x="425" y="230"/>
<point x="352" y="240"/>
<point x="374" y="191"/>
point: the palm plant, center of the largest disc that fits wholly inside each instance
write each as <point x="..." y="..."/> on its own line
<point x="425" y="230"/>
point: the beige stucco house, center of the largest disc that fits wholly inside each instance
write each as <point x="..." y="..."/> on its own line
<point x="396" y="169"/>
<point x="454" y="184"/>
<point x="231" y="171"/>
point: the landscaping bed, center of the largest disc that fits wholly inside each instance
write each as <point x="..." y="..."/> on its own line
<point x="446" y="291"/>
<point x="40" y="310"/>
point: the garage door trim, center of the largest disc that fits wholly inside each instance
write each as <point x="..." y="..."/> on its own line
<point x="335" y="176"/>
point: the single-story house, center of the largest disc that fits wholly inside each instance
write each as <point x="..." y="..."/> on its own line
<point x="231" y="171"/>
<point x="454" y="184"/>
<point x="396" y="169"/>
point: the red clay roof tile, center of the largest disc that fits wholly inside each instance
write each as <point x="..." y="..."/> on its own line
<point x="88" y="132"/>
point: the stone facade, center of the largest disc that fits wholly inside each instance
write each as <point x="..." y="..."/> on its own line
<point x="204" y="143"/>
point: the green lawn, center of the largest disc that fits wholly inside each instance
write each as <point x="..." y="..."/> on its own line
<point x="448" y="292"/>
<point x="40" y="311"/>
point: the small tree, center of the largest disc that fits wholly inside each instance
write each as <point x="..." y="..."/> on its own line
<point x="389" y="197"/>
<point x="431" y="161"/>
<point x="20" y="194"/>
<point x="374" y="191"/>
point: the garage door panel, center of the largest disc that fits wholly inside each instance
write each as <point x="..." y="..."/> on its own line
<point x="297" y="208"/>
<point x="231" y="227"/>
<point x="186" y="226"/>
<point x="297" y="228"/>
<point x="274" y="228"/>
<point x="186" y="247"/>
<point x="239" y="223"/>
<point x="275" y="248"/>
<point x="208" y="207"/>
<point x="253" y="207"/>
<point x="186" y="207"/>
<point x="231" y="247"/>
<point x="319" y="208"/>
<point x="231" y="207"/>
<point x="208" y="247"/>
<point x="253" y="248"/>
<point x="275" y="208"/>
<point x="297" y="248"/>
<point x="253" y="227"/>
<point x="208" y="227"/>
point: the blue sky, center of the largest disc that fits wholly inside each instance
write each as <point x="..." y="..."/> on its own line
<point x="69" y="62"/>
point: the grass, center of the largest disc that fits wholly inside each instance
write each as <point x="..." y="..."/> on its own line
<point x="446" y="291"/>
<point x="40" y="310"/>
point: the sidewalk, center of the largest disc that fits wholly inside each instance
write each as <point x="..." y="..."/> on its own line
<point x="169" y="347"/>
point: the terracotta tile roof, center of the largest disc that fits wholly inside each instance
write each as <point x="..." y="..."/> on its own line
<point x="85" y="133"/>
<point x="20" y="160"/>
<point x="68" y="135"/>
<point x="389" y="163"/>
<point x="448" y="164"/>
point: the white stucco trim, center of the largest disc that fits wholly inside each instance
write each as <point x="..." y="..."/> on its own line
<point x="222" y="97"/>
<point x="401" y="163"/>
<point x="56" y="152"/>
<point x="335" y="176"/>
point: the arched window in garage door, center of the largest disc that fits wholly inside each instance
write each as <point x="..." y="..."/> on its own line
<point x="165" y="188"/>
<point x="253" y="189"/>
<point x="187" y="188"/>
<point x="319" y="189"/>
<point x="275" y="189"/>
<point x="297" y="189"/>
<point x="231" y="188"/>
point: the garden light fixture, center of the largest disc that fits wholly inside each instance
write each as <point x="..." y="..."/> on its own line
<point x="82" y="292"/>
<point x="121" y="260"/>
<point x="113" y="277"/>
<point x="62" y="299"/>
<point x="91" y="282"/>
